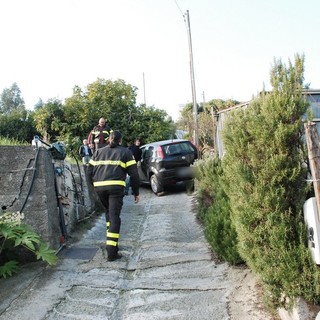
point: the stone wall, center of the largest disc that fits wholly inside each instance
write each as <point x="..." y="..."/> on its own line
<point x="44" y="189"/>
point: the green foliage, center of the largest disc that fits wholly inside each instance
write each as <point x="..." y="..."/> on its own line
<point x="206" y="119"/>
<point x="17" y="125"/>
<point x="219" y="104"/>
<point x="11" y="142"/>
<point x="116" y="102"/>
<point x="264" y="179"/>
<point x="73" y="120"/>
<point x="8" y="269"/>
<point x="11" y="100"/>
<point x="14" y="234"/>
<point x="206" y="172"/>
<point x="151" y="124"/>
<point x="50" y="120"/>
<point x="214" y="210"/>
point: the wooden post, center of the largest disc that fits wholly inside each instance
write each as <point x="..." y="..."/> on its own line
<point x="312" y="138"/>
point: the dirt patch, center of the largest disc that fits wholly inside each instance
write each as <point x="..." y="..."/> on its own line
<point x="246" y="298"/>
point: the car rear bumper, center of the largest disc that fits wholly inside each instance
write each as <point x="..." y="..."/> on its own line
<point x="174" y="176"/>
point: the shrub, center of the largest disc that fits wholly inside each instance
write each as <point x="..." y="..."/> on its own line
<point x="214" y="211"/>
<point x="265" y="183"/>
<point x="15" y="234"/>
<point x="11" y="142"/>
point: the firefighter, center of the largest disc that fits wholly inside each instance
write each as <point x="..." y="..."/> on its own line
<point x="99" y="135"/>
<point x="107" y="172"/>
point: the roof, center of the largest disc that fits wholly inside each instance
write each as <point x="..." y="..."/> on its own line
<point x="309" y="92"/>
<point x="241" y="105"/>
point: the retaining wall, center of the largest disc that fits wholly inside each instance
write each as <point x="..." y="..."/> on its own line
<point x="34" y="183"/>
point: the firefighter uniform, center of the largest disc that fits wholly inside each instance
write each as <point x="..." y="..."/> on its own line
<point x="101" y="134"/>
<point x="107" y="172"/>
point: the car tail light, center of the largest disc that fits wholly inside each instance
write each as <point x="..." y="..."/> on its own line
<point x="160" y="152"/>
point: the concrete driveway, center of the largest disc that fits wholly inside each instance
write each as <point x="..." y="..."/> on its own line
<point x="167" y="272"/>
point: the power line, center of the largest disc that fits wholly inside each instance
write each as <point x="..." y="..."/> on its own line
<point x="179" y="8"/>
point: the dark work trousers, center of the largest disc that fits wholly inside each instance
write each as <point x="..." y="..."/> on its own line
<point x="112" y="200"/>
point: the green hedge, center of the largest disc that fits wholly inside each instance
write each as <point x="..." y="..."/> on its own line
<point x="259" y="191"/>
<point x="214" y="211"/>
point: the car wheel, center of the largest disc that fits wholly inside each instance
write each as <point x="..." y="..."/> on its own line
<point x="155" y="185"/>
<point x="190" y="186"/>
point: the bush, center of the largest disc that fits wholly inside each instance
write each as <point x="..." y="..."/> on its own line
<point x="265" y="183"/>
<point x="12" y="142"/>
<point x="15" y="234"/>
<point x="214" y="211"/>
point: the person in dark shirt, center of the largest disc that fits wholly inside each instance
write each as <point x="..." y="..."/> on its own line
<point x="136" y="151"/>
<point x="85" y="152"/>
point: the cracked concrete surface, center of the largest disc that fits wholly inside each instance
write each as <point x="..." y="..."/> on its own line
<point x="167" y="272"/>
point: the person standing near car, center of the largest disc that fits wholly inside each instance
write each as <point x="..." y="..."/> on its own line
<point x="85" y="152"/>
<point x="99" y="135"/>
<point x="136" y="151"/>
<point x="107" y="172"/>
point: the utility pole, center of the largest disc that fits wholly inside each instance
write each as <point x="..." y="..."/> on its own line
<point x="203" y="99"/>
<point x="144" y="90"/>
<point x="193" y="86"/>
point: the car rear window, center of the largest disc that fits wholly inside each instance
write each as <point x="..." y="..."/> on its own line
<point x="176" y="148"/>
<point x="147" y="153"/>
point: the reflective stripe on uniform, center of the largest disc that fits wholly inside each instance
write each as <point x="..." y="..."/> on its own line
<point x="111" y="243"/>
<point x="113" y="235"/>
<point x="130" y="163"/>
<point x="112" y="163"/>
<point x="98" y="132"/>
<point x="109" y="183"/>
<point x="107" y="227"/>
<point x="108" y="162"/>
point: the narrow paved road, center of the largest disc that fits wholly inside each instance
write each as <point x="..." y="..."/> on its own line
<point x="166" y="272"/>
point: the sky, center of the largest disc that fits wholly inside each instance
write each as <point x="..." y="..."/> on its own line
<point x="50" y="46"/>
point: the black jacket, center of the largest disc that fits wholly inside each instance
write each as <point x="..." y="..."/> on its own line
<point x="82" y="153"/>
<point x="109" y="167"/>
<point x="136" y="151"/>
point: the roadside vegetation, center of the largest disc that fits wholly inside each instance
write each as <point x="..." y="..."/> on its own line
<point x="12" y="142"/>
<point x="253" y="211"/>
<point x="250" y="201"/>
<point x="71" y="120"/>
<point x="15" y="239"/>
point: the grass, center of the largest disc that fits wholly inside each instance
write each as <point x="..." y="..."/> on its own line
<point x="12" y="142"/>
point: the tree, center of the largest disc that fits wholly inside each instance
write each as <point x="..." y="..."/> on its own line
<point x="186" y="121"/>
<point x="206" y="119"/>
<point x="50" y="120"/>
<point x="17" y="125"/>
<point x="11" y="100"/>
<point x="39" y="104"/>
<point x="16" y="122"/>
<point x="116" y="102"/>
<point x="73" y="120"/>
<point x="150" y="124"/>
<point x="220" y="104"/>
<point x="113" y="100"/>
<point x="265" y="183"/>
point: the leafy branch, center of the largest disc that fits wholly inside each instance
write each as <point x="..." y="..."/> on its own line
<point x="13" y="233"/>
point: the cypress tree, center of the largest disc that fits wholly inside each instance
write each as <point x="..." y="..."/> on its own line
<point x="264" y="179"/>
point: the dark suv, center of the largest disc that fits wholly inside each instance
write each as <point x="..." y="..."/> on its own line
<point x="167" y="162"/>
